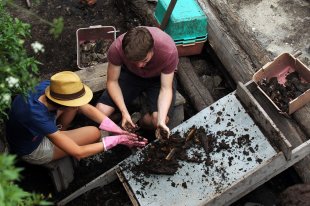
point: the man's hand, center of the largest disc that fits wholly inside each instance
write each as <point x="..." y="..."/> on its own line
<point x="127" y="123"/>
<point x="128" y="140"/>
<point x="162" y="132"/>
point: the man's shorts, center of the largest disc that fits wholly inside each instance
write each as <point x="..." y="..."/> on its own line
<point x="42" y="155"/>
<point x="133" y="86"/>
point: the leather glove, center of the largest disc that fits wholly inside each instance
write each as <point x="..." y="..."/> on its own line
<point x="108" y="125"/>
<point x="128" y="140"/>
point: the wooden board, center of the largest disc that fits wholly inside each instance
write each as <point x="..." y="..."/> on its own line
<point x="95" y="77"/>
<point x="263" y="120"/>
<point x="291" y="130"/>
<point x="201" y="187"/>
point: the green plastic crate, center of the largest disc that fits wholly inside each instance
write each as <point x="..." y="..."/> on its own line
<point x="187" y="21"/>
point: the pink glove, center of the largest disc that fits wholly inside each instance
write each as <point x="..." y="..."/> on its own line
<point x="108" y="125"/>
<point x="128" y="140"/>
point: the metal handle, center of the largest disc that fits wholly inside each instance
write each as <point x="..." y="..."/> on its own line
<point x="95" y="26"/>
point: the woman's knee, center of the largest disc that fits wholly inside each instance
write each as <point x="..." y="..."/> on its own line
<point x="94" y="131"/>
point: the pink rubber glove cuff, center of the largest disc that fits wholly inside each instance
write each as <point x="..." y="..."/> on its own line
<point x="109" y="142"/>
<point x="108" y="125"/>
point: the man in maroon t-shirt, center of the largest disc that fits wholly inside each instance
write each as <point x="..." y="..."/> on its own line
<point x="142" y="60"/>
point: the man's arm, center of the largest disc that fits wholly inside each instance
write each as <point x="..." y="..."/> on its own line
<point x="113" y="87"/>
<point x="116" y="93"/>
<point x="165" y="97"/>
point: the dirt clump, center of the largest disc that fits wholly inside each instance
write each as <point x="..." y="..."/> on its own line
<point x="280" y="94"/>
<point x="164" y="156"/>
<point x="94" y="52"/>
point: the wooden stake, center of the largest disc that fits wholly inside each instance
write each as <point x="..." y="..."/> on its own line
<point x="171" y="154"/>
<point x="190" y="134"/>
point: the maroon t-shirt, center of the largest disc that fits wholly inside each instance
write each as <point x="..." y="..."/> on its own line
<point x="164" y="60"/>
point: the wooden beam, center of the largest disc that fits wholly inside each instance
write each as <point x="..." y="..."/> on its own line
<point x="197" y="92"/>
<point x="241" y="32"/>
<point x="95" y="77"/>
<point x="233" y="57"/>
<point x="302" y="117"/>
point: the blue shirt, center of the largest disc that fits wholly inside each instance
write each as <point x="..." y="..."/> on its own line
<point x="29" y="121"/>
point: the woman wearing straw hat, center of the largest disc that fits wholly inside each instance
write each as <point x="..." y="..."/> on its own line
<point x="32" y="130"/>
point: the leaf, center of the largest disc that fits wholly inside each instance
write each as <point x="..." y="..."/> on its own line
<point x="1" y="194"/>
<point x="57" y="27"/>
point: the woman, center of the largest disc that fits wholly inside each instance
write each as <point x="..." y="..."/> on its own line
<point x="37" y="125"/>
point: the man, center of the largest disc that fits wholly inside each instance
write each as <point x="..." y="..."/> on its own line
<point x="37" y="125"/>
<point x="142" y="60"/>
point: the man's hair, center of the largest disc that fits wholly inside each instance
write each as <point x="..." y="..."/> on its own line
<point x="137" y="42"/>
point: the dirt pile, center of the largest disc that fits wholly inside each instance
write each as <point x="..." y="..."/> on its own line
<point x="280" y="94"/>
<point x="165" y="156"/>
<point x="161" y="157"/>
<point x="94" y="52"/>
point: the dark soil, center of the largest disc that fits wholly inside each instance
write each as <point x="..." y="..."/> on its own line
<point x="283" y="94"/>
<point x="60" y="54"/>
<point x="93" y="52"/>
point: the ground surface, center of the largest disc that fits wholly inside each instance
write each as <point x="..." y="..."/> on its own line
<point x="60" y="54"/>
<point x="280" y="25"/>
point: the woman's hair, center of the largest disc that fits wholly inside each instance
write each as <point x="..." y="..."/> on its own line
<point x="136" y="44"/>
<point x="54" y="103"/>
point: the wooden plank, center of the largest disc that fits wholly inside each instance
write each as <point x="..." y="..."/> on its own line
<point x="104" y="179"/>
<point x="302" y="117"/>
<point x="233" y="57"/>
<point x="263" y="120"/>
<point x="128" y="189"/>
<point x="291" y="130"/>
<point x="268" y="170"/>
<point x="95" y="77"/>
<point x="235" y="119"/>
<point x="197" y="92"/>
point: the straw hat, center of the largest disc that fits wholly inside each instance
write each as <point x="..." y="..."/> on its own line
<point x="67" y="89"/>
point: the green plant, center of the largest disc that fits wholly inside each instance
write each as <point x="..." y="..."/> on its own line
<point x="18" y="71"/>
<point x="18" y="75"/>
<point x="16" y="68"/>
<point x="10" y="193"/>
